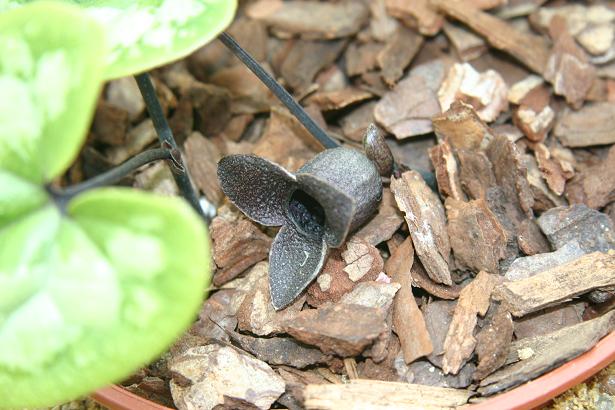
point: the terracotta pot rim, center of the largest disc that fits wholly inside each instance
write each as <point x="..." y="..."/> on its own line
<point x="527" y="396"/>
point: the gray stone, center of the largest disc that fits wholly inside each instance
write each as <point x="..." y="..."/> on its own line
<point x="528" y="266"/>
<point x="591" y="229"/>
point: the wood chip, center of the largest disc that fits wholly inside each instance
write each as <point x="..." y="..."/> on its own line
<point x="593" y="271"/>
<point x="473" y="301"/>
<point x="406" y="110"/>
<point x="548" y="352"/>
<point x="341" y="329"/>
<point x="461" y="127"/>
<point x="384" y="224"/>
<point x="551" y="170"/>
<point x="476" y="174"/>
<point x="378" y="394"/>
<point x="426" y="221"/>
<point x="493" y="342"/>
<point x="568" y="68"/>
<point x="399" y="50"/>
<point x="591" y="125"/>
<point x="549" y="320"/>
<point x="124" y="93"/>
<point x="362" y="259"/>
<point x="595" y="185"/>
<point x="333" y="282"/>
<point x="467" y="45"/>
<point x="204" y="375"/>
<point x="447" y="171"/>
<point x="110" y="124"/>
<point x="534" y="116"/>
<point x="438" y="316"/>
<point x="212" y="107"/>
<point x="419" y="14"/>
<point x="299" y="71"/>
<point x="257" y="314"/>
<point x="335" y="100"/>
<point x="486" y="92"/>
<point x="529" y="49"/>
<point x="510" y="175"/>
<point x="280" y="350"/>
<point x="530" y="239"/>
<point x="420" y="279"/>
<point x="477" y="238"/>
<point x="237" y="244"/>
<point x="408" y="321"/>
<point x="202" y="157"/>
<point x="285" y="141"/>
<point x="311" y="19"/>
<point x="361" y="58"/>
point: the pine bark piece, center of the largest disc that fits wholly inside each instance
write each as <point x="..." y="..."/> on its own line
<point x="421" y="280"/>
<point x="529" y="49"/>
<point x="534" y="116"/>
<point x="568" y="68"/>
<point x="405" y="111"/>
<point x="285" y="141"/>
<point x="447" y="171"/>
<point x="212" y="107"/>
<point x="361" y="58"/>
<point x="399" y="50"/>
<point x="384" y="224"/>
<point x="237" y="245"/>
<point x="378" y="394"/>
<point x="530" y="239"/>
<point x="338" y="99"/>
<point x="486" y="92"/>
<point x="547" y="352"/>
<point x="591" y="125"/>
<point x="592" y="271"/>
<point x="408" y="321"/>
<point x="467" y="45"/>
<point x="343" y="330"/>
<point x="257" y="314"/>
<point x="549" y="320"/>
<point x="551" y="170"/>
<point x="511" y="176"/>
<point x="476" y="174"/>
<point x="204" y="375"/>
<point x="362" y="259"/>
<point x="311" y="19"/>
<point x="333" y="281"/>
<point x="110" y="124"/>
<point x="426" y="221"/>
<point x="544" y="198"/>
<point x="299" y="71"/>
<point x="460" y="342"/>
<point x="595" y="185"/>
<point x="493" y="342"/>
<point x="461" y="127"/>
<point x="478" y="240"/>
<point x="278" y="351"/>
<point x="418" y="14"/>
<point x="438" y="316"/>
<point x="424" y="373"/>
<point x="202" y="157"/>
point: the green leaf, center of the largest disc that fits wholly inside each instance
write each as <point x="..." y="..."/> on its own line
<point x="50" y="74"/>
<point x="88" y="297"/>
<point x="145" y="34"/>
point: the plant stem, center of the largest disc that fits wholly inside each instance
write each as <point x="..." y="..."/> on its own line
<point x="279" y="91"/>
<point x="117" y="173"/>
<point x="165" y="135"/>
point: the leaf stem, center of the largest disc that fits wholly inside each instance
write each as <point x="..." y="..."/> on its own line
<point x="116" y="173"/>
<point x="165" y="135"/>
<point x="278" y="91"/>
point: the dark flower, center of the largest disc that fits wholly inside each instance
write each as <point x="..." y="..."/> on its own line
<point x="317" y="207"/>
